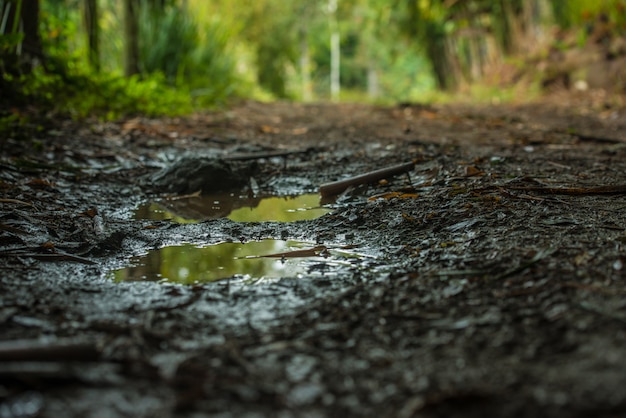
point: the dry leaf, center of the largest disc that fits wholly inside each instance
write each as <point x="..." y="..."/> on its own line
<point x="299" y="131"/>
<point x="266" y="129"/>
<point x="391" y="195"/>
<point x="90" y="213"/>
<point x="472" y="170"/>
<point x="40" y="184"/>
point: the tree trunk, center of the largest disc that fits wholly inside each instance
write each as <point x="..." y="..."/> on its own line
<point x="512" y="28"/>
<point x="30" y="21"/>
<point x="438" y="51"/>
<point x="373" y="86"/>
<point x="24" y="55"/>
<point x="476" y="57"/>
<point x="305" y="65"/>
<point x="335" y="57"/>
<point x="335" y="54"/>
<point x="90" y="20"/>
<point x="131" y="37"/>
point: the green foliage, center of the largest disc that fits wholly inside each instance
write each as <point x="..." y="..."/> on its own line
<point x="186" y="66"/>
<point x="582" y="14"/>
<point x="199" y="53"/>
<point x="271" y="26"/>
<point x="407" y="78"/>
<point x="83" y="94"/>
<point x="114" y="96"/>
<point x="8" y="26"/>
<point x="10" y="41"/>
<point x="190" y="54"/>
<point x="211" y="74"/>
<point x="10" y="36"/>
<point x="167" y="39"/>
<point x="66" y="85"/>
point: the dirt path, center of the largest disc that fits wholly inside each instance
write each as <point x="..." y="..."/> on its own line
<point x="490" y="281"/>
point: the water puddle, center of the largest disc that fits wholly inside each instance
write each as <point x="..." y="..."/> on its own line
<point x="236" y="208"/>
<point x="251" y="261"/>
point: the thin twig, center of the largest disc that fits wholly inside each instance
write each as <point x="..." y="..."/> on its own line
<point x="259" y="155"/>
<point x="580" y="191"/>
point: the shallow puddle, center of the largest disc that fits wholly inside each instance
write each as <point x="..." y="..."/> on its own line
<point x="266" y="259"/>
<point x="236" y="208"/>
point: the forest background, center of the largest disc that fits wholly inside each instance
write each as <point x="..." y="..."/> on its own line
<point x="112" y="58"/>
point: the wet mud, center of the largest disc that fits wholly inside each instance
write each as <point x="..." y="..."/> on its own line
<point x="487" y="280"/>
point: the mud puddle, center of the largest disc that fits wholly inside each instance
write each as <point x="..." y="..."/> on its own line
<point x="251" y="262"/>
<point x="236" y="208"/>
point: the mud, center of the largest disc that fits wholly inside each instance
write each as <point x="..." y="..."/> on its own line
<point x="491" y="281"/>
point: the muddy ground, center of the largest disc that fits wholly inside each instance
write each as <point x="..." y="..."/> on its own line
<point x="494" y="282"/>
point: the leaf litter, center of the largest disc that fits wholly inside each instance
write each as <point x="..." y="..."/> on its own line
<point x="493" y="284"/>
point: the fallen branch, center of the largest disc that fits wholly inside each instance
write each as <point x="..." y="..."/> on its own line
<point x="60" y="256"/>
<point x="615" y="189"/>
<point x="599" y="139"/>
<point x="17" y="202"/>
<point x="56" y="372"/>
<point x="36" y="253"/>
<point x="310" y="252"/>
<point x="48" y="350"/>
<point x="336" y="187"/>
<point x="266" y="154"/>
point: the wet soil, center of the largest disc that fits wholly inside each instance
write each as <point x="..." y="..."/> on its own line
<point x="493" y="281"/>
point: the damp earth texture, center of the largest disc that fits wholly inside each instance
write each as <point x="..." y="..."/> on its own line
<point x="154" y="268"/>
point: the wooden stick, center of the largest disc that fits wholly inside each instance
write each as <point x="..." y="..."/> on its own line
<point x="311" y="252"/>
<point x="336" y="187"/>
<point x="55" y="350"/>
<point x="613" y="189"/>
<point x="266" y="154"/>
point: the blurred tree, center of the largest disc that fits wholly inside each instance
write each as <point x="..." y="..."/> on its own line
<point x="335" y="51"/>
<point x="307" y="11"/>
<point x="271" y="26"/>
<point x="168" y="36"/>
<point x="429" y="23"/>
<point x="92" y="30"/>
<point x="131" y="37"/>
<point x="461" y="37"/>
<point x="20" y="43"/>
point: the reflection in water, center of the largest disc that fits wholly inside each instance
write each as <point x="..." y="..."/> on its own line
<point x="236" y="208"/>
<point x="188" y="264"/>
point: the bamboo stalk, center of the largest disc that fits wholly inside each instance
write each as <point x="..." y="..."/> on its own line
<point x="336" y="187"/>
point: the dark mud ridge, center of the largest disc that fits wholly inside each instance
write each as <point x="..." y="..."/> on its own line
<point x="190" y="268"/>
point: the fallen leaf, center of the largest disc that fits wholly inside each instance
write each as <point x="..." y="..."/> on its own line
<point x="392" y="195"/>
<point x="40" y="184"/>
<point x="472" y="170"/>
<point x="266" y="129"/>
<point x="299" y="131"/>
<point x="90" y="213"/>
<point x="409" y="217"/>
<point x="47" y="245"/>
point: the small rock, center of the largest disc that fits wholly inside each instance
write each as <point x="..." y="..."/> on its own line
<point x="190" y="175"/>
